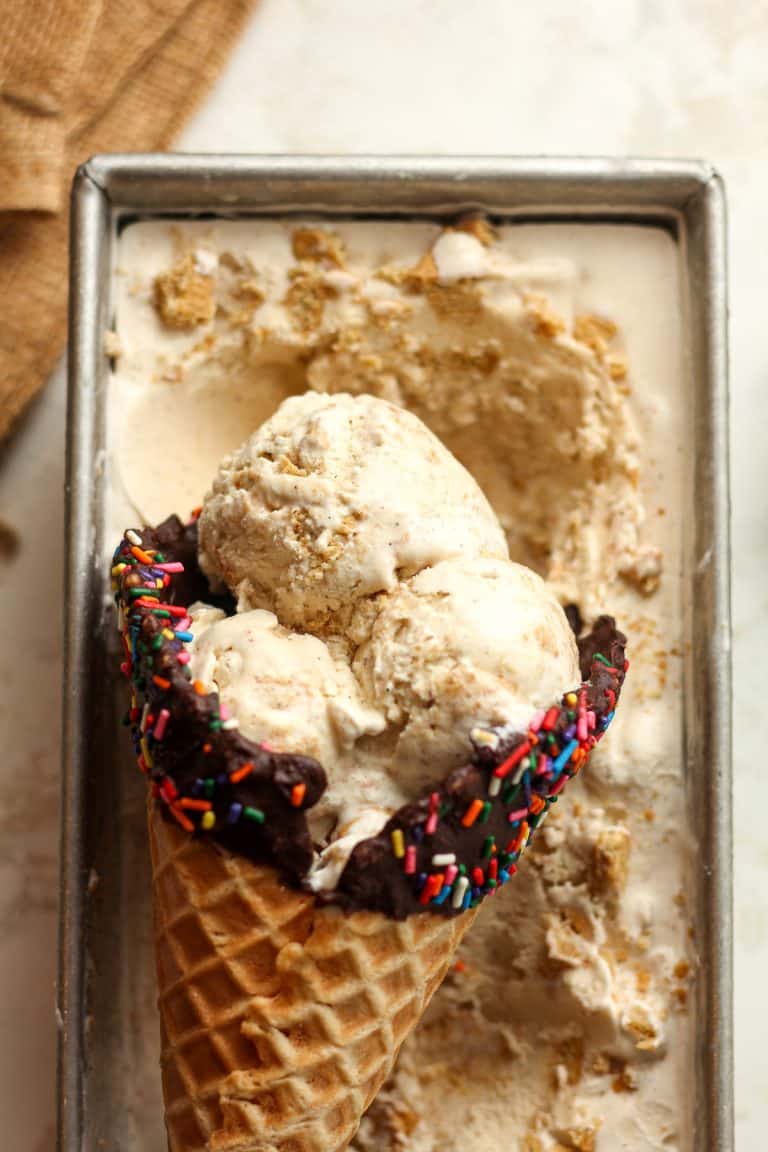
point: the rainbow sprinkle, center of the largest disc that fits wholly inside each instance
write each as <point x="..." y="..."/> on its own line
<point x="141" y="577"/>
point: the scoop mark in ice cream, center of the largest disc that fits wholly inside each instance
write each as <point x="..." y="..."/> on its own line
<point x="444" y="853"/>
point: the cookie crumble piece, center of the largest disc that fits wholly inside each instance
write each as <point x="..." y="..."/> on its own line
<point x="317" y="245"/>
<point x="610" y="861"/>
<point x="183" y="296"/>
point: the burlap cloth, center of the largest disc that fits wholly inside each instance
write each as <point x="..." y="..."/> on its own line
<point x="78" y="77"/>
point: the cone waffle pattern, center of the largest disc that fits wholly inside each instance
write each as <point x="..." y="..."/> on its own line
<point x="280" y="1018"/>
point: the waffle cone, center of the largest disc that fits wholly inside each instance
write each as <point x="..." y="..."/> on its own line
<point x="280" y="1017"/>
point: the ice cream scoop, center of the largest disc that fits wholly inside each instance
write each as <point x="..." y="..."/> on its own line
<point x="347" y="516"/>
<point x="467" y="642"/>
<point x="336" y="498"/>
<point x="284" y="688"/>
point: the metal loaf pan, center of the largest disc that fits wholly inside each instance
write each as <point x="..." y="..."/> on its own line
<point x="108" y="1090"/>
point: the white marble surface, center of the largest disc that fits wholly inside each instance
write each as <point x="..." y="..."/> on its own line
<point x="686" y="78"/>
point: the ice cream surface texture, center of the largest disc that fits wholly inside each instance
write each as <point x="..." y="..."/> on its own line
<point x="548" y="359"/>
<point x="335" y="498"/>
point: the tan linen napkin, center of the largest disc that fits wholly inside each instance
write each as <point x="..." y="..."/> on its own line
<point x="78" y="77"/>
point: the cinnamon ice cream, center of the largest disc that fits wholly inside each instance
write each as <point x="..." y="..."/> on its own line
<point x="555" y="378"/>
<point x="338" y="512"/>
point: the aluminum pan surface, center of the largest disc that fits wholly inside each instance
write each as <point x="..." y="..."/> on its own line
<point x="104" y="870"/>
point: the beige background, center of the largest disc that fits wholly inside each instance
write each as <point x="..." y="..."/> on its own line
<point x="684" y="78"/>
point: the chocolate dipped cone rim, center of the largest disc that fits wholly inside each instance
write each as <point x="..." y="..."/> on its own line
<point x="443" y="854"/>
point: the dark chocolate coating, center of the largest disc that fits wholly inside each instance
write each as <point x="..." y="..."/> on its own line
<point x="262" y="814"/>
